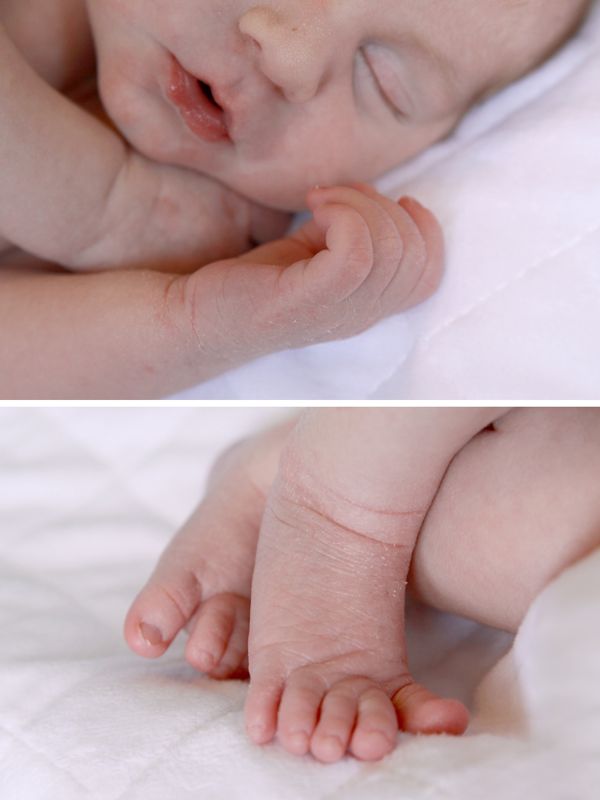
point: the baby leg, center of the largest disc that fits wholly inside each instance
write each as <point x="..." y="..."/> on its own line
<point x="202" y="580"/>
<point x="518" y="504"/>
<point x="326" y="650"/>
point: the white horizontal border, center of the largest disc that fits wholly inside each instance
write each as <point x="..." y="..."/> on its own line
<point x="297" y="404"/>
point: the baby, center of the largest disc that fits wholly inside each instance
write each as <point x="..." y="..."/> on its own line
<point x="323" y="522"/>
<point x="212" y="121"/>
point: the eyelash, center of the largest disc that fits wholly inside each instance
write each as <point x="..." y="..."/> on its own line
<point x="398" y="114"/>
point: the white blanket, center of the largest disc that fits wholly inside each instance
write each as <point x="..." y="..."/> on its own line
<point x="517" y="189"/>
<point x="88" y="497"/>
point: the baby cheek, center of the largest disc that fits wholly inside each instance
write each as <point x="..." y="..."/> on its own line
<point x="115" y="9"/>
<point x="117" y="95"/>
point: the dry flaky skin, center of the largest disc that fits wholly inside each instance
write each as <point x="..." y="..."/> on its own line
<point x="209" y="562"/>
<point x="360" y="259"/>
<point x="335" y="547"/>
<point x="77" y="195"/>
<point x="515" y="507"/>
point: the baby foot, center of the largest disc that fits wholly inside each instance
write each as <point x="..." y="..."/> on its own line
<point x="327" y="654"/>
<point x="202" y="581"/>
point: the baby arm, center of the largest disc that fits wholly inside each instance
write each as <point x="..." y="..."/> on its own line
<point x="75" y="194"/>
<point x="104" y="335"/>
<point x="361" y="258"/>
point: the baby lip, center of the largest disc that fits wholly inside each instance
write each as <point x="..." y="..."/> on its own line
<point x="218" y="97"/>
<point x="205" y="116"/>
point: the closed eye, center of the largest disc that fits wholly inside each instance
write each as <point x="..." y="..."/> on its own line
<point x="397" y="112"/>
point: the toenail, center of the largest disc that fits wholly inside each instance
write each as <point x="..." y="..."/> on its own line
<point x="151" y="634"/>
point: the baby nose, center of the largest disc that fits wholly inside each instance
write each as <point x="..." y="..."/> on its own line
<point x="291" y="51"/>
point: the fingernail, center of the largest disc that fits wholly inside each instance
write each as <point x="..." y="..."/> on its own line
<point x="318" y="191"/>
<point x="151" y="634"/>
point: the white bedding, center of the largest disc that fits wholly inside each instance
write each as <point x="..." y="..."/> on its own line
<point x="88" y="497"/>
<point x="517" y="189"/>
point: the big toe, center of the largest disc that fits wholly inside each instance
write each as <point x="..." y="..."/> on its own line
<point x="422" y="711"/>
<point x="160" y="611"/>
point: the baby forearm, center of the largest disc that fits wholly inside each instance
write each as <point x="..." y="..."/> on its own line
<point x="58" y="163"/>
<point x="104" y="335"/>
<point x="79" y="337"/>
<point x="54" y="37"/>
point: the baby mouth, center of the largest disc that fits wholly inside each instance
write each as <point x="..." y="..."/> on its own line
<point x="196" y="104"/>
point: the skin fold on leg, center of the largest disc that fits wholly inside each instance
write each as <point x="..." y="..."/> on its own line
<point x="327" y="655"/>
<point x="515" y="507"/>
<point x="202" y="580"/>
<point x="518" y="504"/>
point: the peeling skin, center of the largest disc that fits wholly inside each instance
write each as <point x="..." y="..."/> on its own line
<point x="328" y="609"/>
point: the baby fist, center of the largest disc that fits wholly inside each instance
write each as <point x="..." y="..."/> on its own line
<point x="379" y="257"/>
<point x="360" y="259"/>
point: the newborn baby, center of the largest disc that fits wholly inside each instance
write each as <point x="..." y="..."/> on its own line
<point x="476" y="509"/>
<point x="216" y="120"/>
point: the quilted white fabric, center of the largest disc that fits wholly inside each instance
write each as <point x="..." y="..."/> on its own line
<point x="88" y="497"/>
<point x="517" y="189"/>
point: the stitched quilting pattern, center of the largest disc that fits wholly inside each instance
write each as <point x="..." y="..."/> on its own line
<point x="81" y="717"/>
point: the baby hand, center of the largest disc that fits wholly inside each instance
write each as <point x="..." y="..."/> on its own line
<point x="362" y="257"/>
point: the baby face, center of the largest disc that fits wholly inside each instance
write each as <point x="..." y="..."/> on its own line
<point x="274" y="97"/>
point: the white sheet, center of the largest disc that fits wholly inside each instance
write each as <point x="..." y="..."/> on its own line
<point x="88" y="497"/>
<point x="517" y="189"/>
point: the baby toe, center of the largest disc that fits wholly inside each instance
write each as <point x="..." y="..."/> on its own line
<point x="211" y="635"/>
<point x="420" y="711"/>
<point x="160" y="611"/>
<point x="262" y="704"/>
<point x="334" y="729"/>
<point x="233" y="662"/>
<point x="298" y="711"/>
<point x="376" y="726"/>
